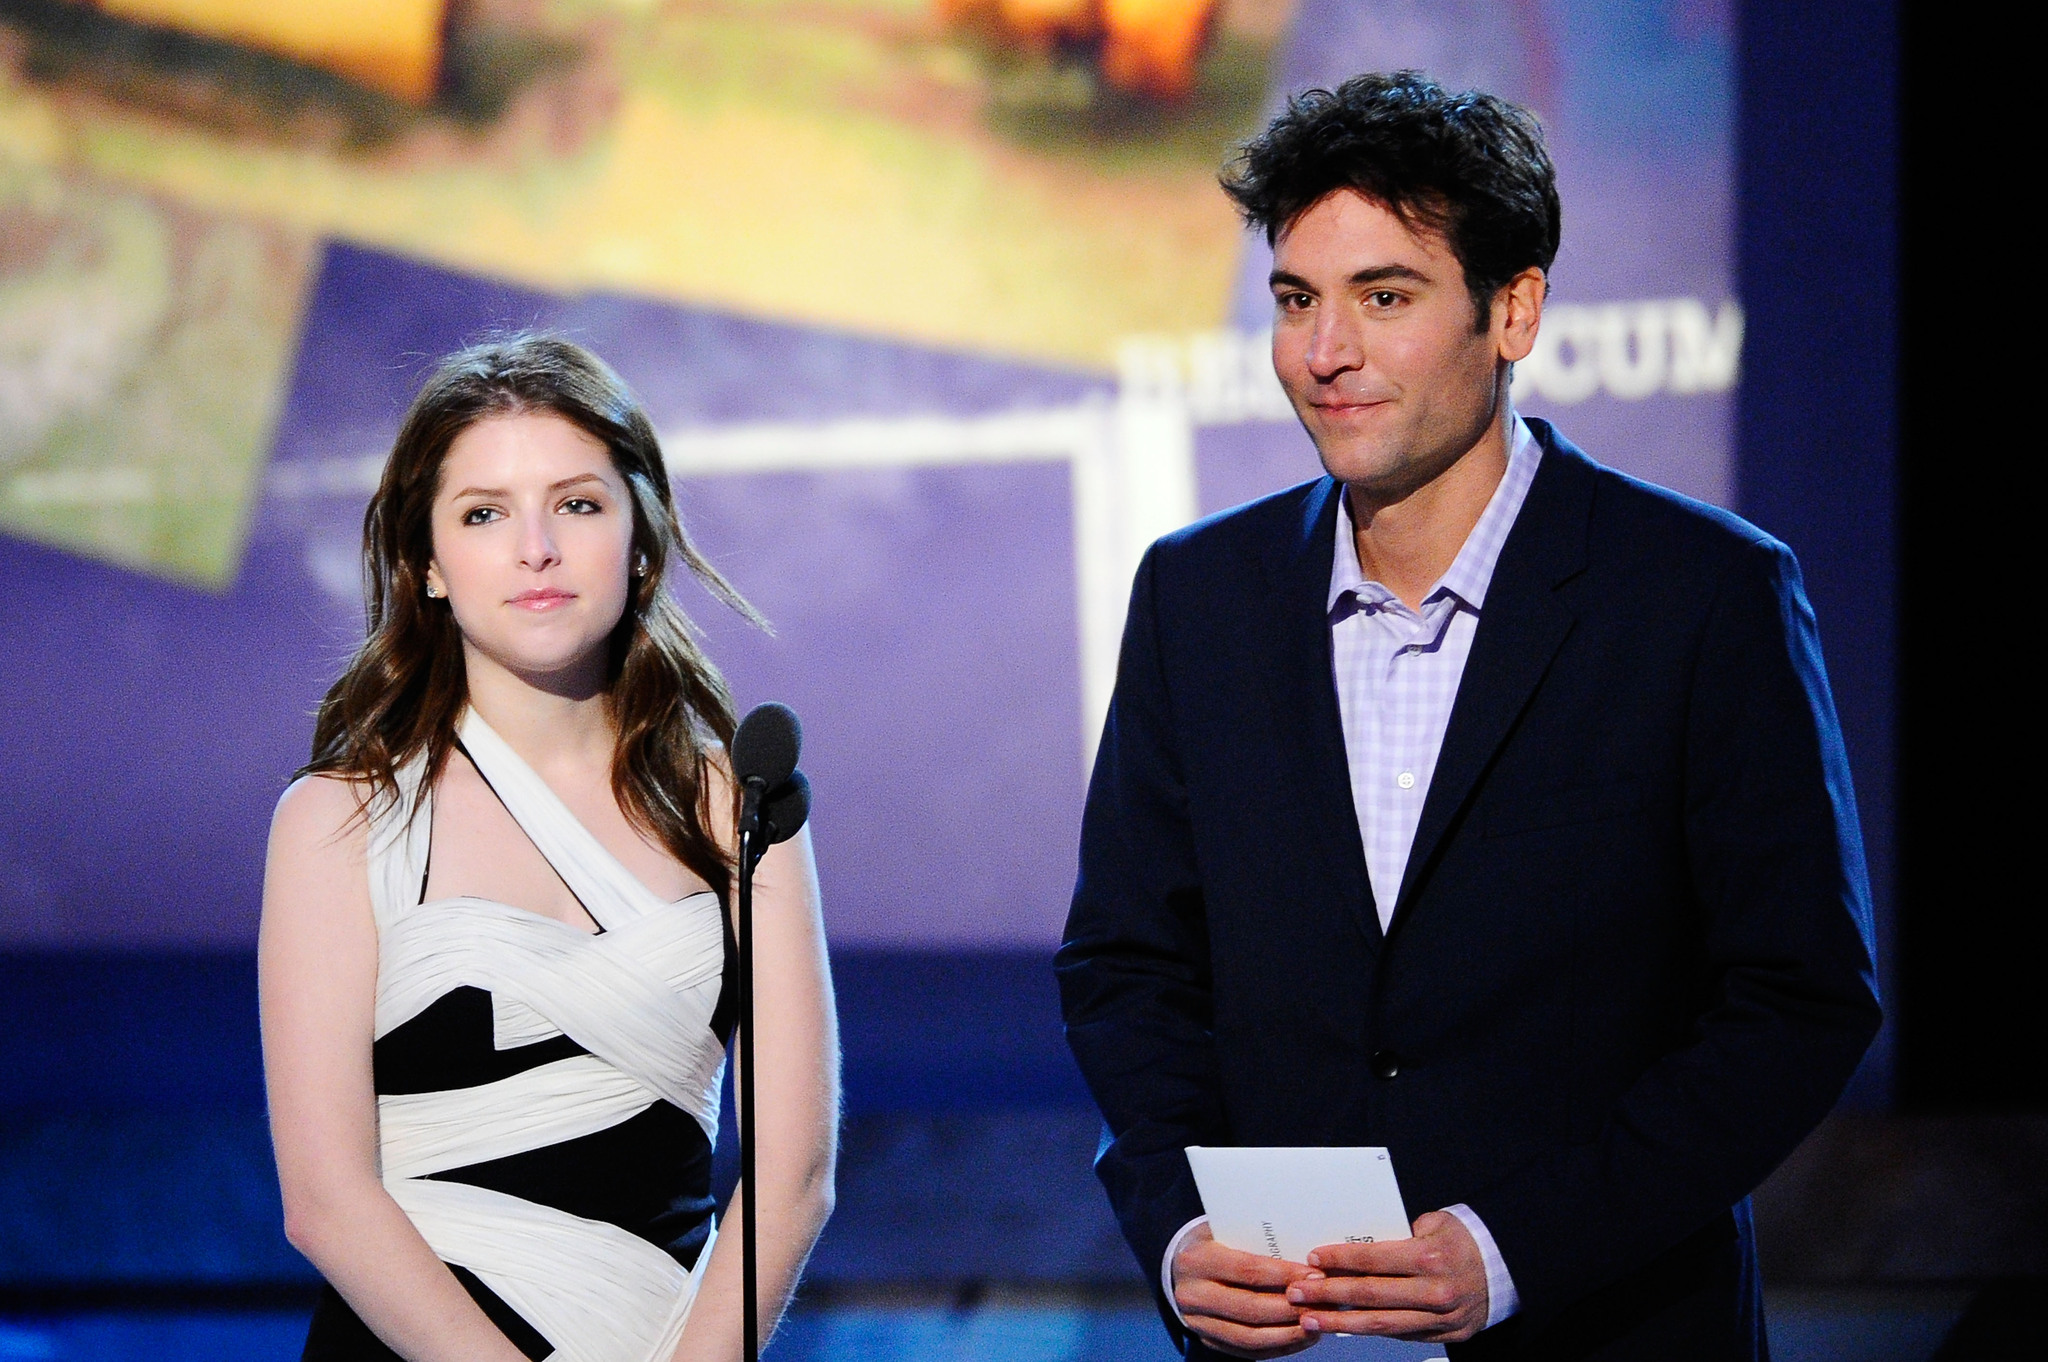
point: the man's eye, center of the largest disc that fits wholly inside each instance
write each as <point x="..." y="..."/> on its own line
<point x="1384" y="298"/>
<point x="1295" y="302"/>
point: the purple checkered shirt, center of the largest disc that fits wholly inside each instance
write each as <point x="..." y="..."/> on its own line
<point x="1397" y="672"/>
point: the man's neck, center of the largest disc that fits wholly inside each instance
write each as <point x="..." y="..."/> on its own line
<point x="1407" y="545"/>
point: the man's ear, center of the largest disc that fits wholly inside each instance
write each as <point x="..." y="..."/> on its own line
<point x="1518" y="312"/>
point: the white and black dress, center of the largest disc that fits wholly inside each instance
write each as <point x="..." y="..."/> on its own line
<point x="547" y="1098"/>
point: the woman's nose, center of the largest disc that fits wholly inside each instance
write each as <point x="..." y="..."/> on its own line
<point x="537" y="544"/>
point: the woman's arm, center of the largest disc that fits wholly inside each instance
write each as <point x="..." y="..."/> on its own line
<point x="797" y="1048"/>
<point x="317" y="974"/>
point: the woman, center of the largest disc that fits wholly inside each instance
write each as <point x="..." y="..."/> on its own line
<point x="495" y="964"/>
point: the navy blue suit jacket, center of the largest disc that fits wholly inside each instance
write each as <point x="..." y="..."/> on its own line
<point x="1629" y="967"/>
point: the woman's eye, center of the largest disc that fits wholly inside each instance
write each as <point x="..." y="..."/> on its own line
<point x="581" y="506"/>
<point x="477" y="515"/>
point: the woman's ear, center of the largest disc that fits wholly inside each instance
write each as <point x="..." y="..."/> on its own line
<point x="435" y="586"/>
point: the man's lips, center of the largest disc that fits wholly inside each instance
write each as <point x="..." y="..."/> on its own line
<point x="1350" y="408"/>
<point x="543" y="598"/>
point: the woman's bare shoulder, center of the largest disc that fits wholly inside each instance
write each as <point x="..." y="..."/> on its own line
<point x="320" y="812"/>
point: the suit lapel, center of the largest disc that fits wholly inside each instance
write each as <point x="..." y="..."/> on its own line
<point x="1303" y="697"/>
<point x="1520" y="630"/>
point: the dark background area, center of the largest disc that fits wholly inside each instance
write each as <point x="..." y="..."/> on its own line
<point x="1817" y="438"/>
<point x="1881" y="436"/>
<point x="1972" y="945"/>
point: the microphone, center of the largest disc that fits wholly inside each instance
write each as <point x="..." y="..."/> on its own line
<point x="764" y="755"/>
<point x="784" y="809"/>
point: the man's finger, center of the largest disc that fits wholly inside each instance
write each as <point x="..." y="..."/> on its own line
<point x="1247" y="1339"/>
<point x="1207" y="1258"/>
<point x="1430" y="1295"/>
<point x="1390" y="1258"/>
<point x="1406" y="1324"/>
<point x="1232" y="1303"/>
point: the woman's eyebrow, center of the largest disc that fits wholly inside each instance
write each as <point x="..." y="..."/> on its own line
<point x="552" y="487"/>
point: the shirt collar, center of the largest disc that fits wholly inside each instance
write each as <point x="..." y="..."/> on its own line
<point x="1472" y="570"/>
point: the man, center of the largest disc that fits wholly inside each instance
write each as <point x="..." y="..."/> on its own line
<point x="1474" y="800"/>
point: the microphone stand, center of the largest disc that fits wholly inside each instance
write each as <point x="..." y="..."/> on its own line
<point x="743" y="923"/>
<point x="764" y="753"/>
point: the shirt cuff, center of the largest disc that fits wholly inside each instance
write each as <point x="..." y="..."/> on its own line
<point x="1502" y="1299"/>
<point x="1173" y="1248"/>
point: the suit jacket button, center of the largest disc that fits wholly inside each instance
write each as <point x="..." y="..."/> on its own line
<point x="1385" y="1064"/>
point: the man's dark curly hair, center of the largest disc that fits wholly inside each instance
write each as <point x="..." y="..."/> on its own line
<point x="1468" y="166"/>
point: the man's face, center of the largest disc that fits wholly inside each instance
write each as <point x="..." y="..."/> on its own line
<point x="1375" y="341"/>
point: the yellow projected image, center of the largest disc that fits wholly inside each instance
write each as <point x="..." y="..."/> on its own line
<point x="1025" y="178"/>
<point x="911" y="168"/>
<point x="1146" y="47"/>
<point x="143" y="350"/>
<point x="388" y="45"/>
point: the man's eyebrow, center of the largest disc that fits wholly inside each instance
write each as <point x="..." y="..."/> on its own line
<point x="1376" y="274"/>
<point x="1380" y="274"/>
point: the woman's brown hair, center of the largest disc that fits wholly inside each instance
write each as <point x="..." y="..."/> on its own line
<point x="406" y="687"/>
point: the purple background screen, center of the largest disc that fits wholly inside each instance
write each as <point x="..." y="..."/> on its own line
<point x="926" y="617"/>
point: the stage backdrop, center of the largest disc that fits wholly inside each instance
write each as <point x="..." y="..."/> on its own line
<point x="934" y="301"/>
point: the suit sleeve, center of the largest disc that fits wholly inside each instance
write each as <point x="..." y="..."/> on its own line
<point x="1775" y="861"/>
<point x="1134" y="967"/>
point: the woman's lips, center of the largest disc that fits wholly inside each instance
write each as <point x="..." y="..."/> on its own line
<point x="543" y="599"/>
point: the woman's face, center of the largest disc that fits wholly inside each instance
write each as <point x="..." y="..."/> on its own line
<point x="533" y="540"/>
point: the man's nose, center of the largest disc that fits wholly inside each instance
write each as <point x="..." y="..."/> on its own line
<point x="1334" y="345"/>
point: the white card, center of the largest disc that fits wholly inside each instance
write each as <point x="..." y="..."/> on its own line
<point x="1282" y="1202"/>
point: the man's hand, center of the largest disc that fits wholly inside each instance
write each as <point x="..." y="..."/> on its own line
<point x="1237" y="1301"/>
<point x="1429" y="1289"/>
